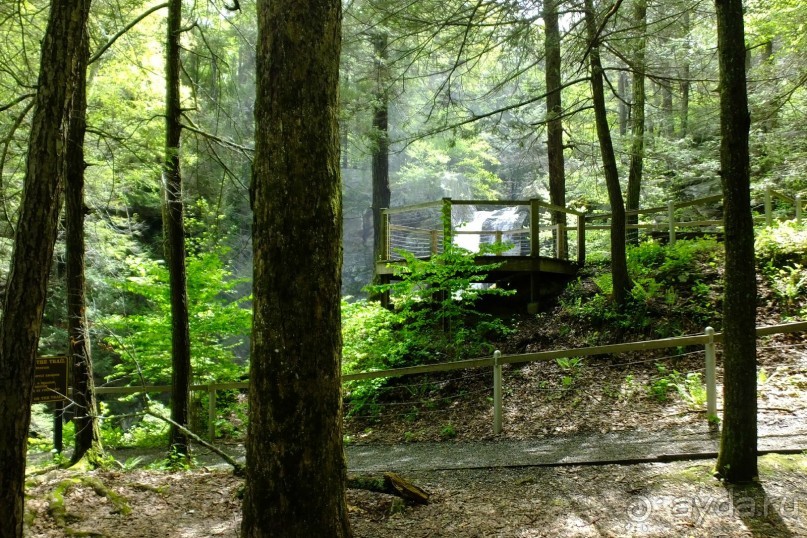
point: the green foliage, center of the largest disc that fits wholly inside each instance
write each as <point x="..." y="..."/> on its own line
<point x="464" y="164"/>
<point x="434" y="319"/>
<point x="435" y="302"/>
<point x="784" y="243"/>
<point x="670" y="283"/>
<point x="142" y="336"/>
<point x="448" y="431"/>
<point x="679" y="263"/>
<point x="570" y="367"/>
<point x="781" y="253"/>
<point x="689" y="387"/>
<point x="146" y="432"/>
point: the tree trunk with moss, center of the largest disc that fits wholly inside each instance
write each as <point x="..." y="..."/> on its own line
<point x="87" y="436"/>
<point x="637" y="120"/>
<point x="619" y="263"/>
<point x="296" y="470"/>
<point x="381" y="190"/>
<point x="737" y="460"/>
<point x="554" y="125"/>
<point x="26" y="288"/>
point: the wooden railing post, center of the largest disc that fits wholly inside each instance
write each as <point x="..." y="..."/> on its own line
<point x="711" y="383"/>
<point x="448" y="230"/>
<point x="212" y="415"/>
<point x="385" y="239"/>
<point x="671" y="218"/>
<point x="497" y="392"/>
<point x="581" y="239"/>
<point x="535" y="227"/>
<point x="768" y="207"/>
<point x="560" y="234"/>
<point x="58" y="426"/>
<point x="798" y="208"/>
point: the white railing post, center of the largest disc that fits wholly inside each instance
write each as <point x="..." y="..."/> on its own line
<point x="211" y="413"/>
<point x="497" y="393"/>
<point x="711" y="384"/>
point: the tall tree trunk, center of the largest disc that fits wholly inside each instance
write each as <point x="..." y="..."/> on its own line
<point x="295" y="463"/>
<point x="737" y="460"/>
<point x="554" y="111"/>
<point x="174" y="229"/>
<point x="637" y="119"/>
<point x="26" y="288"/>
<point x="619" y="263"/>
<point x="685" y="74"/>
<point x="88" y="436"/>
<point x="381" y="189"/>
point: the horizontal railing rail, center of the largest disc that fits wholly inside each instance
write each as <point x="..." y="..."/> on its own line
<point x="708" y="339"/>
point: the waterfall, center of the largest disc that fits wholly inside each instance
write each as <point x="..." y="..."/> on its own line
<point x="507" y="219"/>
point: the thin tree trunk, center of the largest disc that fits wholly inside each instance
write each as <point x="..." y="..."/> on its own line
<point x="668" y="121"/>
<point x="637" y="120"/>
<point x="554" y="110"/>
<point x="619" y="264"/>
<point x="685" y="74"/>
<point x="624" y="104"/>
<point x="737" y="460"/>
<point x="174" y="229"/>
<point x="87" y="436"/>
<point x="26" y="288"/>
<point x="295" y="464"/>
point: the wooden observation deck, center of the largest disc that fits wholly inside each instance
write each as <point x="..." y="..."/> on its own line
<point x="546" y="241"/>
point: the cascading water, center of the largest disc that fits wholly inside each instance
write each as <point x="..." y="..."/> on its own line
<point x="508" y="219"/>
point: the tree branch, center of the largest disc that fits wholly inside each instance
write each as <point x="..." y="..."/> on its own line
<point x="226" y="143"/>
<point x="477" y="117"/>
<point x="18" y="100"/>
<point x="95" y="57"/>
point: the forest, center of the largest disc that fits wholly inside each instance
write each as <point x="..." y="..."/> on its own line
<point x="203" y="197"/>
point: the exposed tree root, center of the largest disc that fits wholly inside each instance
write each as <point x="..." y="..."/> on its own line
<point x="58" y="510"/>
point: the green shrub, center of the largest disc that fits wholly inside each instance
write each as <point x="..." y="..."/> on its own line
<point x="434" y="319"/>
<point x="784" y="243"/>
<point x="141" y="336"/>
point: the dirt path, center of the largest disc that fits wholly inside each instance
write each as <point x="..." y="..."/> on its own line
<point x="656" y="499"/>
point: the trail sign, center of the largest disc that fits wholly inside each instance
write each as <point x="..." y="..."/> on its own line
<point x="50" y="379"/>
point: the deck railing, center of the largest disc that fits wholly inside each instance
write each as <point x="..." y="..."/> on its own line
<point x="424" y="229"/>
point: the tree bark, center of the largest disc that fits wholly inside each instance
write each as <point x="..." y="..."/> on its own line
<point x="381" y="189"/>
<point x="26" y="287"/>
<point x="295" y="464"/>
<point x="737" y="460"/>
<point x="637" y="120"/>
<point x="554" y="111"/>
<point x="87" y="436"/>
<point x="619" y="263"/>
<point x="174" y="229"/>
